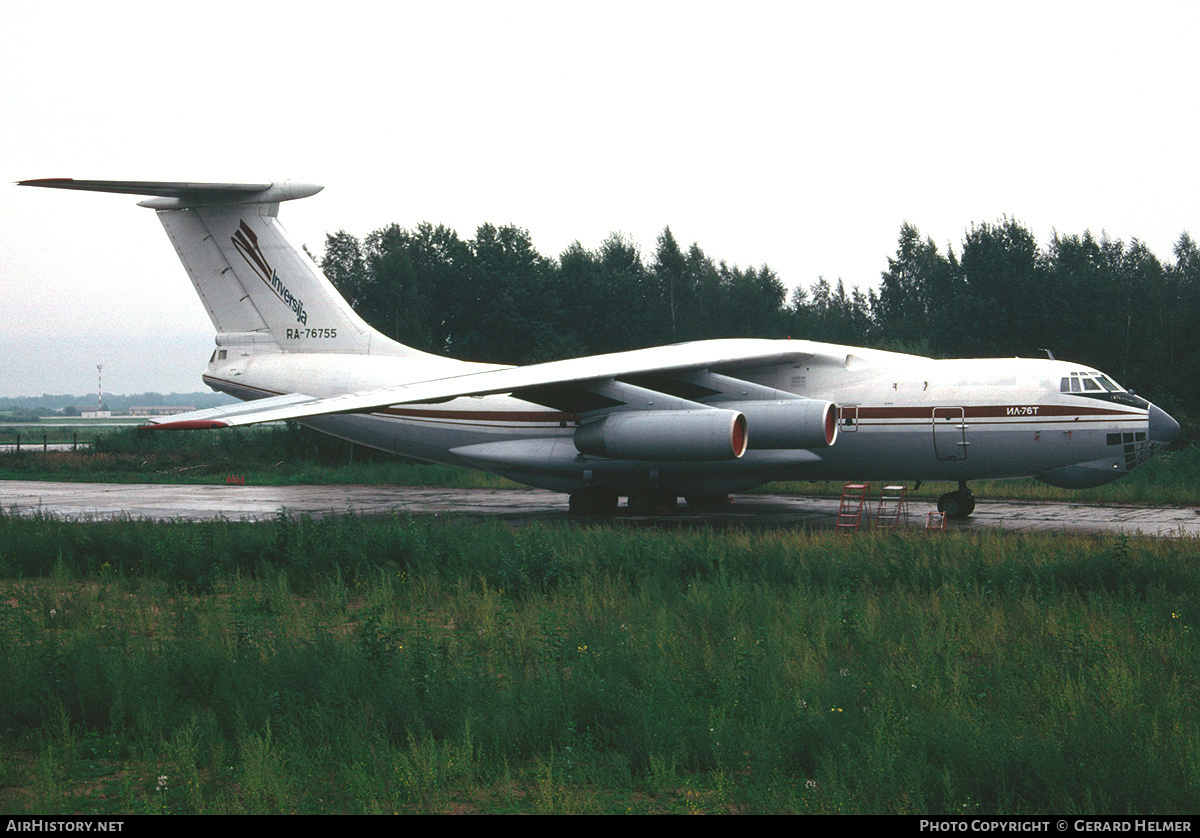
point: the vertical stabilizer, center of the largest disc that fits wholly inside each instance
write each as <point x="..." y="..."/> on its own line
<point x="258" y="286"/>
<point x="253" y="279"/>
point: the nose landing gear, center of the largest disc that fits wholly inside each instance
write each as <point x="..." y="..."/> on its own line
<point x="959" y="504"/>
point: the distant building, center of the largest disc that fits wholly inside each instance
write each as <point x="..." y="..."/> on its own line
<point x="95" y="414"/>
<point x="160" y="410"/>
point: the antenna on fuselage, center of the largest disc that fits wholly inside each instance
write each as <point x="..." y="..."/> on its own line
<point x="1049" y="354"/>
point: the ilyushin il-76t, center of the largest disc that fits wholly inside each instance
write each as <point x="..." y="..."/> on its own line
<point x="692" y="420"/>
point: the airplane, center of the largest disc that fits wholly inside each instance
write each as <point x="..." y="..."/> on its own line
<point x="696" y="420"/>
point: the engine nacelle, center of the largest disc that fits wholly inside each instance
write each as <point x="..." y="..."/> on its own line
<point x="794" y="423"/>
<point x="694" y="435"/>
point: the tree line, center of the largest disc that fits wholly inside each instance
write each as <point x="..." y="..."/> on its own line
<point x="1102" y="302"/>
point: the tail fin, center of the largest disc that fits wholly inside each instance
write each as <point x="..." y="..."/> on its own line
<point x="259" y="288"/>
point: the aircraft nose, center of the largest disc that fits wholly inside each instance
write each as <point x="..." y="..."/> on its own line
<point x="1163" y="429"/>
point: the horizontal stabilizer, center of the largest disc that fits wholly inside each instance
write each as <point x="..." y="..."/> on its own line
<point x="181" y="195"/>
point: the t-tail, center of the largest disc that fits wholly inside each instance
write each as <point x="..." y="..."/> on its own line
<point x="259" y="288"/>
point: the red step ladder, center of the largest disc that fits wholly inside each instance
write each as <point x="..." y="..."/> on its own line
<point x="893" y="508"/>
<point x="854" y="497"/>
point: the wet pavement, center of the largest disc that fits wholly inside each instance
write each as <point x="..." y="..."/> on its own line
<point x="161" y="502"/>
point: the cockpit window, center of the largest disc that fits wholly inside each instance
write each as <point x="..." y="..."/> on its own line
<point x="1089" y="382"/>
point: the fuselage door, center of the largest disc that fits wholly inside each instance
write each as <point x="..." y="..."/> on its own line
<point x="847" y="418"/>
<point x="950" y="433"/>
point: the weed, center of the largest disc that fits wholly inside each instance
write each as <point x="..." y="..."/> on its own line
<point x="406" y="664"/>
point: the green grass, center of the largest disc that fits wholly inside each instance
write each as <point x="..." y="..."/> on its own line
<point x="58" y="431"/>
<point x="263" y="456"/>
<point x="423" y="665"/>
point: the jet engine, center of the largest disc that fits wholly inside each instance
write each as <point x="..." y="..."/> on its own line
<point x="794" y="423"/>
<point x="695" y="435"/>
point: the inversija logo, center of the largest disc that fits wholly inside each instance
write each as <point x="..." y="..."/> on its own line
<point x="247" y="244"/>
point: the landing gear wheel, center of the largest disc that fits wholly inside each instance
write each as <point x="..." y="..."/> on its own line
<point x="594" y="500"/>
<point x="957" y="505"/>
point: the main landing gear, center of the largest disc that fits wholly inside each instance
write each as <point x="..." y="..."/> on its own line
<point x="957" y="505"/>
<point x="593" y="500"/>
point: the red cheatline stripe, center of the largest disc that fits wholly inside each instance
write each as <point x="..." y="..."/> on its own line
<point x="987" y="411"/>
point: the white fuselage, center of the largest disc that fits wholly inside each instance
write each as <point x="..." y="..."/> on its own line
<point x="901" y="417"/>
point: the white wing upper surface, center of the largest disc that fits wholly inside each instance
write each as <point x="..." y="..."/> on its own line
<point x="717" y="355"/>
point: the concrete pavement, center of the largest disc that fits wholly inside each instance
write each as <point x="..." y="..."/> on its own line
<point x="109" y="500"/>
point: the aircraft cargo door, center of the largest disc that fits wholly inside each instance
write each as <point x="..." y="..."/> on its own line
<point x="950" y="433"/>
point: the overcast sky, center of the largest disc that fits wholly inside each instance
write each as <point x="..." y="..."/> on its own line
<point x="800" y="135"/>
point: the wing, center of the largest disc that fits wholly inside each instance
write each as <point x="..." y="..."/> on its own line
<point x="684" y="378"/>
